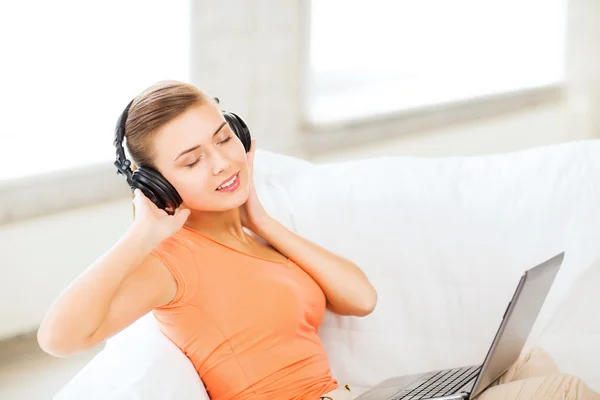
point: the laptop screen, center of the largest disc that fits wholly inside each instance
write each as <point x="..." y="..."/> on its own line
<point x="518" y="320"/>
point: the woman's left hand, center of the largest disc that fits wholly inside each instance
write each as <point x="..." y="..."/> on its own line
<point x="346" y="287"/>
<point x="252" y="211"/>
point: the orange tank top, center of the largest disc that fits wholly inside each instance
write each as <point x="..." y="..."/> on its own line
<point x="248" y="325"/>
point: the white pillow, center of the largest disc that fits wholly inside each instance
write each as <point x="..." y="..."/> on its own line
<point x="139" y="363"/>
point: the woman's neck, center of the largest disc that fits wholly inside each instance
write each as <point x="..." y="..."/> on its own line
<point x="222" y="225"/>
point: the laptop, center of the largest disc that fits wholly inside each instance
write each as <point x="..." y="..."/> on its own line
<point x="469" y="382"/>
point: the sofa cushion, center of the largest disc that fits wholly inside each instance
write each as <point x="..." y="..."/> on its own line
<point x="139" y="363"/>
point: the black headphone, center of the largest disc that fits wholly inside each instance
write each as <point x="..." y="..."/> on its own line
<point x="150" y="181"/>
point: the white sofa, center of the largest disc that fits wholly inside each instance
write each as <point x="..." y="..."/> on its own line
<point x="443" y="240"/>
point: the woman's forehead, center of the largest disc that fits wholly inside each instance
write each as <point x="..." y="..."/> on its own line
<point x="194" y="127"/>
<point x="196" y="120"/>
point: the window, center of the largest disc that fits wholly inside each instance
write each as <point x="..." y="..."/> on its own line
<point x="69" y="68"/>
<point x="375" y="57"/>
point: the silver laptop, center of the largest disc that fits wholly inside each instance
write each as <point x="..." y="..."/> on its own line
<point x="470" y="382"/>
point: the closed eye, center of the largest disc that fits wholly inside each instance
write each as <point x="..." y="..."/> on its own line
<point x="226" y="139"/>
<point x="194" y="163"/>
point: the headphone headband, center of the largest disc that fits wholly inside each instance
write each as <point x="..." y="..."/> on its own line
<point x="122" y="163"/>
<point x="120" y="128"/>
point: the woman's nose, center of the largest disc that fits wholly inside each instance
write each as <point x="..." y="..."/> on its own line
<point x="220" y="163"/>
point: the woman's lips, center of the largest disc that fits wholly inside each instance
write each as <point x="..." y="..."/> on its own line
<point x="232" y="186"/>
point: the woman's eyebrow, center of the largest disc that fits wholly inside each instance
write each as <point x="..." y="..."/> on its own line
<point x="198" y="146"/>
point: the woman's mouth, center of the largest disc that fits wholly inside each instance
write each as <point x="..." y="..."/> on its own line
<point x="230" y="185"/>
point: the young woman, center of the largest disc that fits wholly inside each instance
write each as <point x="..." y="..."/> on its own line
<point x="242" y="296"/>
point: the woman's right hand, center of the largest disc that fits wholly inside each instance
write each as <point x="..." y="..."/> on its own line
<point x="156" y="223"/>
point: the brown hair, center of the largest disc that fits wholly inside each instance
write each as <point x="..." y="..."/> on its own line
<point x="153" y="108"/>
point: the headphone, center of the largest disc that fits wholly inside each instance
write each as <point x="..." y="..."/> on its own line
<point x="150" y="181"/>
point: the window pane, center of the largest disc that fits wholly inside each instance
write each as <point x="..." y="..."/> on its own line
<point x="70" y="67"/>
<point x="380" y="56"/>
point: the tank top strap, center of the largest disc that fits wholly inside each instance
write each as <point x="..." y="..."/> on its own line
<point x="175" y="253"/>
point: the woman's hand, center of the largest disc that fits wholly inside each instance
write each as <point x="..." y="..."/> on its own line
<point x="154" y="222"/>
<point x="252" y="212"/>
<point x="346" y="287"/>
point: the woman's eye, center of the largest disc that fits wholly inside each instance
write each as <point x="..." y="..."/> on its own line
<point x="192" y="164"/>
<point x="226" y="140"/>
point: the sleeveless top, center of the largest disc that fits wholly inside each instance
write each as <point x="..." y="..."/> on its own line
<point x="248" y="325"/>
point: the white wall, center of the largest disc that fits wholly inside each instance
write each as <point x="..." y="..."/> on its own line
<point x="532" y="127"/>
<point x="39" y="257"/>
<point x="254" y="68"/>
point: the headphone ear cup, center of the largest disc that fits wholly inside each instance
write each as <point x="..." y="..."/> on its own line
<point x="156" y="188"/>
<point x="240" y="128"/>
<point x="140" y="182"/>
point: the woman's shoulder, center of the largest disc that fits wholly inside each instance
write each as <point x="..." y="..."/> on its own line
<point x="175" y="242"/>
<point x="176" y="253"/>
<point x="182" y="241"/>
<point x="185" y="250"/>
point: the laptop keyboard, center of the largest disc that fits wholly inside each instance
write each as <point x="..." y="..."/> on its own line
<point x="440" y="384"/>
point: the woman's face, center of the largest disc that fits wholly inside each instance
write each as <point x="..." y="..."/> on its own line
<point x="199" y="154"/>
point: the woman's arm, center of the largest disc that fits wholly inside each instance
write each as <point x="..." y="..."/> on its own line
<point x="125" y="283"/>
<point x="346" y="287"/>
<point x="121" y="286"/>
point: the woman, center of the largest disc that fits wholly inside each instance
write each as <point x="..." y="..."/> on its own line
<point x="238" y="293"/>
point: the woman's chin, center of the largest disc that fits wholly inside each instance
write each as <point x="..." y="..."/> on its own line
<point x="227" y="204"/>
